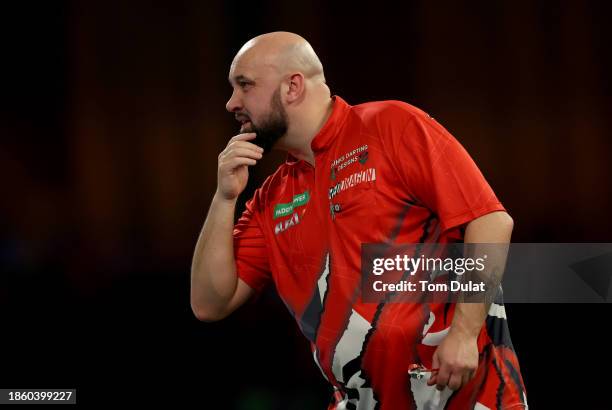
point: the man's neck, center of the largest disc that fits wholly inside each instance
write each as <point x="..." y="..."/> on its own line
<point x="306" y="130"/>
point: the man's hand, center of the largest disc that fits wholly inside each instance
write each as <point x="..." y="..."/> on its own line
<point x="233" y="173"/>
<point x="457" y="361"/>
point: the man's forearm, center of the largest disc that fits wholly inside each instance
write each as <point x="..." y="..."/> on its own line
<point x="493" y="228"/>
<point x="213" y="271"/>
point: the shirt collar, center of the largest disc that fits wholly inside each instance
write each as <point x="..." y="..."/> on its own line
<point x="331" y="127"/>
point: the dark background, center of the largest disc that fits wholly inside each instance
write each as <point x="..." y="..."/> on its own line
<point x="112" y="118"/>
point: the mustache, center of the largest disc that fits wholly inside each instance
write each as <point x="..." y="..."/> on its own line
<point x="241" y="117"/>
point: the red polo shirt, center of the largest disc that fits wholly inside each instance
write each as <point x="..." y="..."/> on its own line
<point x="385" y="172"/>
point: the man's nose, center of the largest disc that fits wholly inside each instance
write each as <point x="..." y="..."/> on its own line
<point x="233" y="104"/>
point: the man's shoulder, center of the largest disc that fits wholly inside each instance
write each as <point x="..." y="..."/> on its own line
<point x="388" y="111"/>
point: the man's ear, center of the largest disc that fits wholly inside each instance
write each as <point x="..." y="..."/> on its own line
<point x="296" y="88"/>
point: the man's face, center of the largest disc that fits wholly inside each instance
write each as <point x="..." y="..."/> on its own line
<point x="256" y="104"/>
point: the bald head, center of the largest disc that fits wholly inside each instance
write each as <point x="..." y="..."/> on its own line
<point x="282" y="52"/>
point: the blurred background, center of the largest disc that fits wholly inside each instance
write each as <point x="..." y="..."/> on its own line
<point x="112" y="117"/>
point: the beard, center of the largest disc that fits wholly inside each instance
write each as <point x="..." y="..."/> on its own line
<point x="272" y="127"/>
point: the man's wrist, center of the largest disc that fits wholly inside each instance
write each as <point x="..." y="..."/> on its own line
<point x="220" y="199"/>
<point x="468" y="320"/>
<point x="464" y="333"/>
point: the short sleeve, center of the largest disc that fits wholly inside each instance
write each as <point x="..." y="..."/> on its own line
<point x="250" y="252"/>
<point x="439" y="173"/>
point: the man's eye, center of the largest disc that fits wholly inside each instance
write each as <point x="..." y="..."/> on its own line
<point x="243" y="85"/>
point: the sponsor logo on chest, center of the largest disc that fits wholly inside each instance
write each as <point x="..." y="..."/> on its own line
<point x="359" y="154"/>
<point x="367" y="175"/>
<point x="281" y="210"/>
<point x="282" y="226"/>
<point x="290" y="209"/>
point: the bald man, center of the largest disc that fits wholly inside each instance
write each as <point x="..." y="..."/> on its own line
<point x="370" y="173"/>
